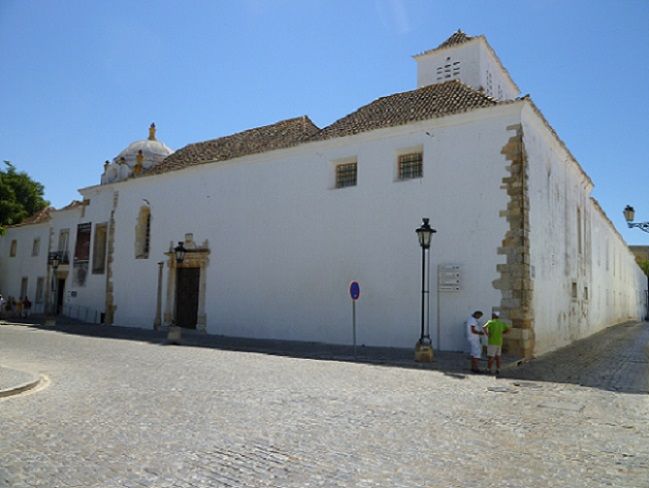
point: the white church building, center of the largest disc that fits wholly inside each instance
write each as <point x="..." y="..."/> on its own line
<point x="278" y="220"/>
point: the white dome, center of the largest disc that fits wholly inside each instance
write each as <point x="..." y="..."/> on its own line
<point x="153" y="151"/>
<point x="148" y="152"/>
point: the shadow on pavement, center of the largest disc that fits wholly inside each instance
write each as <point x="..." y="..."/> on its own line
<point x="615" y="359"/>
<point x="451" y="363"/>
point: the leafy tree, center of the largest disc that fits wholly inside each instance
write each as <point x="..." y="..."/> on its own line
<point x="20" y="196"/>
<point x="644" y="265"/>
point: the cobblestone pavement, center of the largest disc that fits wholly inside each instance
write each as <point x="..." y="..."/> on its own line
<point x="616" y="359"/>
<point x="134" y="413"/>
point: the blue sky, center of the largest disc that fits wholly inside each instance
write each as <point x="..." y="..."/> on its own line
<point x="80" y="80"/>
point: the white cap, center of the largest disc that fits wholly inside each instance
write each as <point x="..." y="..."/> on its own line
<point x="495" y="314"/>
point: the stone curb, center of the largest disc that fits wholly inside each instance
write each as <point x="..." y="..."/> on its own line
<point x="19" y="386"/>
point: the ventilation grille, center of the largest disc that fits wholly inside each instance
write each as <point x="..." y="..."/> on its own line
<point x="450" y="69"/>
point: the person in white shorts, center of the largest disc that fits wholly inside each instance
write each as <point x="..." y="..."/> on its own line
<point x="495" y="329"/>
<point x="474" y="331"/>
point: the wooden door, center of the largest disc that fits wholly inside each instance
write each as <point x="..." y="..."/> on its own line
<point x="187" y="282"/>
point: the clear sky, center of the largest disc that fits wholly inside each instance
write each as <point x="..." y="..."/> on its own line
<point x="80" y="80"/>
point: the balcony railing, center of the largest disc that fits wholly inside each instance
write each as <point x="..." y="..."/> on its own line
<point x="63" y="257"/>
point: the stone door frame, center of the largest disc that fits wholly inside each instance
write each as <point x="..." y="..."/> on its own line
<point x="195" y="257"/>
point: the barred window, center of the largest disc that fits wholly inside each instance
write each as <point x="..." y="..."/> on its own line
<point x="345" y="175"/>
<point x="411" y="165"/>
<point x="143" y="233"/>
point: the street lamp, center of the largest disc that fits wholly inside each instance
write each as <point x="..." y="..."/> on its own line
<point x="175" y="331"/>
<point x="54" y="260"/>
<point x="629" y="215"/>
<point x="423" y="348"/>
<point x="180" y="251"/>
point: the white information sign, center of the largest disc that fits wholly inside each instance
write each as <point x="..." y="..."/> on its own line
<point x="449" y="277"/>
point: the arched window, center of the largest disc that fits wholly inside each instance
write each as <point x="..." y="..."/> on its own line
<point x="143" y="233"/>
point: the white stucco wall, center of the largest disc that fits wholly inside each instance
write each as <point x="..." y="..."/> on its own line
<point x="502" y="87"/>
<point x="607" y="288"/>
<point x="468" y="56"/>
<point x="477" y="63"/>
<point x="90" y="298"/>
<point x="24" y="264"/>
<point x="285" y="244"/>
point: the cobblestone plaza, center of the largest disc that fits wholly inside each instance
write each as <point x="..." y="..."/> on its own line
<point x="120" y="412"/>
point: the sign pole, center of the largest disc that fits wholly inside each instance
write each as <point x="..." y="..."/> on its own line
<point x="439" y="346"/>
<point x="355" y="292"/>
<point x="354" y="324"/>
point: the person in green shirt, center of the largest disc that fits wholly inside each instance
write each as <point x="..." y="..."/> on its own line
<point x="495" y="328"/>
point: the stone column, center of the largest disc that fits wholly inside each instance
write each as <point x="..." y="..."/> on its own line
<point x="158" y="308"/>
<point x="201" y="319"/>
<point x="171" y="288"/>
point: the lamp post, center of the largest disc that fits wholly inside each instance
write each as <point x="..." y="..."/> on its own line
<point x="424" y="348"/>
<point x="54" y="261"/>
<point x="175" y="331"/>
<point x="629" y="216"/>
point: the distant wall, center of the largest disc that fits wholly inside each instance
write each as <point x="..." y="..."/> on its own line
<point x="584" y="275"/>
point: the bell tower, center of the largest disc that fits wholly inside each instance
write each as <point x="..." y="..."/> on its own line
<point x="470" y="60"/>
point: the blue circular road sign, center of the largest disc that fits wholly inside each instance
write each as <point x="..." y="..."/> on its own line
<point x="355" y="290"/>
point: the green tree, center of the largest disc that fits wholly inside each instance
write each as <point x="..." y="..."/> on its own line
<point x="20" y="196"/>
<point x="644" y="265"/>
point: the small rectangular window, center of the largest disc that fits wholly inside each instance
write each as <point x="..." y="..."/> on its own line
<point x="36" y="247"/>
<point x="574" y="290"/>
<point x="40" y="285"/>
<point x="12" y="249"/>
<point x="579" y="246"/>
<point x="411" y="165"/>
<point x="23" y="287"/>
<point x="64" y="234"/>
<point x="346" y="174"/>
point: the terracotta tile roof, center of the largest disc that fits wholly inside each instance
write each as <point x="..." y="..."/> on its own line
<point x="401" y="108"/>
<point x="37" y="218"/>
<point x="72" y="204"/>
<point x="280" y="135"/>
<point x="428" y="102"/>
<point x="46" y="214"/>
<point x="456" y="38"/>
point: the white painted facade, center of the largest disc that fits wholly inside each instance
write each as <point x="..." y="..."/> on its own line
<point x="282" y="258"/>
<point x="27" y="264"/>
<point x="284" y="243"/>
<point x="585" y="277"/>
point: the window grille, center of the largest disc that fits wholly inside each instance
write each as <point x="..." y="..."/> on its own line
<point x="346" y="175"/>
<point x="143" y="233"/>
<point x="147" y="235"/>
<point x="411" y="166"/>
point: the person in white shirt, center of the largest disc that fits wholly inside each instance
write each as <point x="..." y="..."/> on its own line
<point x="474" y="331"/>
